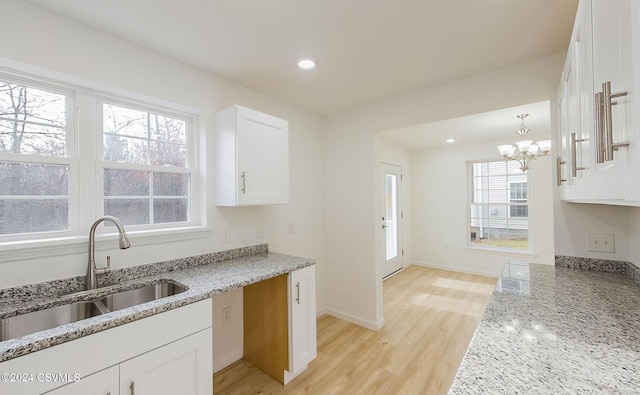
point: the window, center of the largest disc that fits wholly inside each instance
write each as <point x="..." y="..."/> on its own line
<point x="146" y="175"/>
<point x="518" y="199"/>
<point x="498" y="205"/>
<point x="35" y="163"/>
<point x="53" y="184"/>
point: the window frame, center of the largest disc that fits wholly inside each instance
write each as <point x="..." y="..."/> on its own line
<point x="84" y="176"/>
<point x="190" y="165"/>
<point x="69" y="159"/>
<point x="470" y="203"/>
<point x="518" y="202"/>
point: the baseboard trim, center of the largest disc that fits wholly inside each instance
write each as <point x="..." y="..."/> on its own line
<point x="374" y="326"/>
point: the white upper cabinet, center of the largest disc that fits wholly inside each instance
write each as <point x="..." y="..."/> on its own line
<point x="597" y="116"/>
<point x="252" y="158"/>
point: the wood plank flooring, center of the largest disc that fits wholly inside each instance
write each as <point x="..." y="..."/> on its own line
<point x="430" y="315"/>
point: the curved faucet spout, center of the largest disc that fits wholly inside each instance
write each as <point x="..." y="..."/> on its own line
<point x="91" y="280"/>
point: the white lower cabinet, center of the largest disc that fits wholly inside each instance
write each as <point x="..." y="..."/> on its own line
<point x="302" y="320"/>
<point x="177" y="368"/>
<point x="280" y="323"/>
<point x="167" y="353"/>
<point x="171" y="369"/>
<point x="104" y="382"/>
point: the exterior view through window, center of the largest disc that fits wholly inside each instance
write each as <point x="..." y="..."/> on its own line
<point x="34" y="162"/>
<point x="499" y="206"/>
<point x="146" y="171"/>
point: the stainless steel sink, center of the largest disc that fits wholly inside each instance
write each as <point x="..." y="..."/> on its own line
<point x="52" y="317"/>
<point x="24" y="324"/>
<point x="133" y="297"/>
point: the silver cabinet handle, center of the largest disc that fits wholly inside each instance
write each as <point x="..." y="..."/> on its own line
<point x="298" y="292"/>
<point x="574" y="162"/>
<point x="559" y="163"/>
<point x="607" y="96"/>
<point x="244" y="183"/>
<point x="599" y="127"/>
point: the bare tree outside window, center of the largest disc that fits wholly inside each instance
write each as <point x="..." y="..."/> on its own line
<point x="34" y="191"/>
<point x="152" y="183"/>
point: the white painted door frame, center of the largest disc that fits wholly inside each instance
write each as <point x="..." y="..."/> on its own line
<point x="391" y="218"/>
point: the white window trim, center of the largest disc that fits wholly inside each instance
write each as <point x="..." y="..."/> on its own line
<point x="56" y="246"/>
<point x="469" y="246"/>
<point x="83" y="172"/>
<point x="191" y="160"/>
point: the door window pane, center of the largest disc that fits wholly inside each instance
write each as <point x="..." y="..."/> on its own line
<point x="391" y="217"/>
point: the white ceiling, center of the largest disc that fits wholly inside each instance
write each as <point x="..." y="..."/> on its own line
<point x="500" y="124"/>
<point x="368" y="50"/>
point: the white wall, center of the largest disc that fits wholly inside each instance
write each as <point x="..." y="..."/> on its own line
<point x="634" y="235"/>
<point x="38" y="41"/>
<point x="440" y="212"/>
<point x="353" y="241"/>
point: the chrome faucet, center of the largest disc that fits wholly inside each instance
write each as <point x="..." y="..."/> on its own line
<point x="91" y="280"/>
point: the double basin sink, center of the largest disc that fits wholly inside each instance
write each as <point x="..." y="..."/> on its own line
<point x="39" y="320"/>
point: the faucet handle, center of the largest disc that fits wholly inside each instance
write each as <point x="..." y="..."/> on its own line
<point x="106" y="269"/>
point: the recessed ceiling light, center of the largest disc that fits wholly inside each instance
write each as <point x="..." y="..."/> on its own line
<point x="450" y="141"/>
<point x="308" y="63"/>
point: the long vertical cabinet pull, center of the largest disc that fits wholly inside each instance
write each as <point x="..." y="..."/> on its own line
<point x="559" y="163"/>
<point x="574" y="162"/>
<point x="132" y="386"/>
<point x="244" y="182"/>
<point x="607" y="96"/>
<point x="599" y="127"/>
<point x="298" y="292"/>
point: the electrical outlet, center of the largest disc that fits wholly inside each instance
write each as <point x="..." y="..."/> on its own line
<point x="226" y="314"/>
<point x="600" y="242"/>
<point x="259" y="232"/>
<point x="291" y="228"/>
<point x="225" y="236"/>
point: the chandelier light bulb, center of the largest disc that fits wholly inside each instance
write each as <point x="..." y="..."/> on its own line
<point x="524" y="151"/>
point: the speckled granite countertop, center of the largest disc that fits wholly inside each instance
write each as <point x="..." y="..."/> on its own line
<point x="553" y="330"/>
<point x="204" y="275"/>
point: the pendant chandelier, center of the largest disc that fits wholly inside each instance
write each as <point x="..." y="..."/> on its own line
<point x="524" y="151"/>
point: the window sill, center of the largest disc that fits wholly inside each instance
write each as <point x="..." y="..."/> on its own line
<point x="501" y="251"/>
<point x="42" y="248"/>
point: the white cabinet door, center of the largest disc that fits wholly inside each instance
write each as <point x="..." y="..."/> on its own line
<point x="302" y="321"/>
<point x="573" y="137"/>
<point x="181" y="367"/>
<point x="631" y="58"/>
<point x="609" y="25"/>
<point x="104" y="382"/>
<point x="252" y="158"/>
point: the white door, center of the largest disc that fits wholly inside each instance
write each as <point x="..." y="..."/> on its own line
<point x="392" y="218"/>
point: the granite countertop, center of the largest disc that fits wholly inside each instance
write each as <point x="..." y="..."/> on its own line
<point x="554" y="330"/>
<point x="203" y="275"/>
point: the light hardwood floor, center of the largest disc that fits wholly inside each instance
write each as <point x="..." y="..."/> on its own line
<point x="430" y="316"/>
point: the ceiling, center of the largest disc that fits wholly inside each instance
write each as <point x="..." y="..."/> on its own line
<point x="500" y="124"/>
<point x="367" y="50"/>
